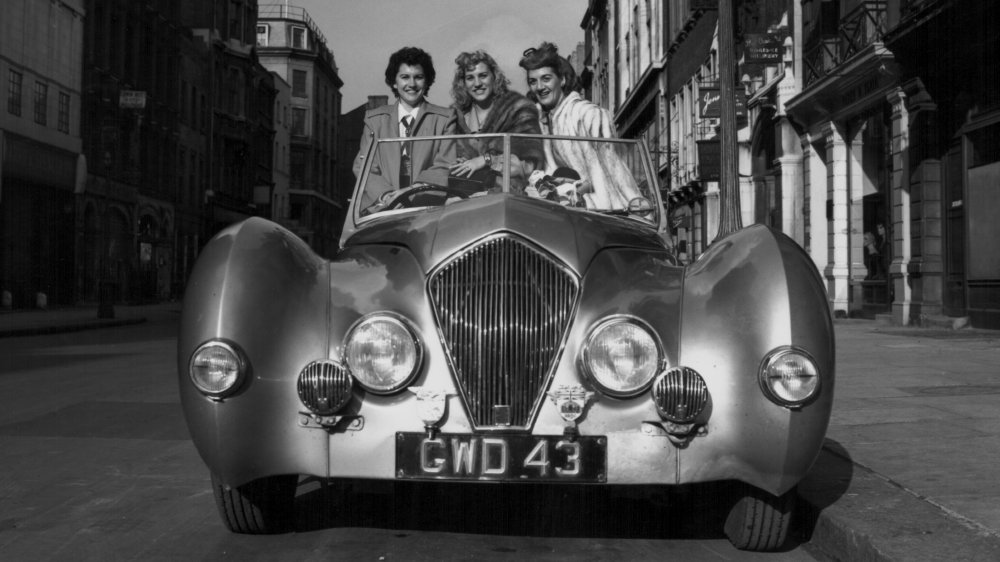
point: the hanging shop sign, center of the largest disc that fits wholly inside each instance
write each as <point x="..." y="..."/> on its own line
<point x="709" y="160"/>
<point x="132" y="99"/>
<point x="709" y="99"/>
<point x="762" y="48"/>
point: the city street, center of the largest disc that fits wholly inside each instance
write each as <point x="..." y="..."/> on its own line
<point x="98" y="466"/>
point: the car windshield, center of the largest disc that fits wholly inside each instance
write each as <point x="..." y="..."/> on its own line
<point x="591" y="175"/>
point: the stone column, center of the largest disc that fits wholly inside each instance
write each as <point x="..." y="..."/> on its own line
<point x="926" y="266"/>
<point x="902" y="294"/>
<point x="748" y="196"/>
<point x="814" y="188"/>
<point x="855" y="219"/>
<point x="837" y="270"/>
<point x="791" y="181"/>
<point x="791" y="197"/>
<point x="711" y="210"/>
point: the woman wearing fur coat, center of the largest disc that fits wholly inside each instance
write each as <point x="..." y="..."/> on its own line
<point x="551" y="81"/>
<point x="485" y="104"/>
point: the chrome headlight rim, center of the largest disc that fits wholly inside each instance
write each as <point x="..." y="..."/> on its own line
<point x="418" y="348"/>
<point x="770" y="359"/>
<point x="585" y="355"/>
<point x="242" y="368"/>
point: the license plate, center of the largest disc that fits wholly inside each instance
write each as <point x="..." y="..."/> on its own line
<point x="451" y="456"/>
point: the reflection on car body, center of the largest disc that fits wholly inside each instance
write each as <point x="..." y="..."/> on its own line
<point x="508" y="328"/>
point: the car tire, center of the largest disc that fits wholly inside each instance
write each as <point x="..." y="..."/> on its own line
<point x="759" y="521"/>
<point x="260" y="507"/>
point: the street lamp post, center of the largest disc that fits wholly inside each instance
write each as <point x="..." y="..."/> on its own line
<point x="105" y="296"/>
<point x="729" y="191"/>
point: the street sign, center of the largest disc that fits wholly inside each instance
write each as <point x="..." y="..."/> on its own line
<point x="132" y="99"/>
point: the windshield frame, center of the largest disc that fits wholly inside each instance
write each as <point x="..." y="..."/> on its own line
<point x="354" y="220"/>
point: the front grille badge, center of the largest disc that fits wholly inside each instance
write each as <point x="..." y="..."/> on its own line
<point x="432" y="404"/>
<point x="572" y="401"/>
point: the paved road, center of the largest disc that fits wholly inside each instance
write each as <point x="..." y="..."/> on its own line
<point x="97" y="465"/>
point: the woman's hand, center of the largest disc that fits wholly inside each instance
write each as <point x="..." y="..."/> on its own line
<point x="465" y="168"/>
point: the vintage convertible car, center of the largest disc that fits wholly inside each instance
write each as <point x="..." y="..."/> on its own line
<point x="529" y="323"/>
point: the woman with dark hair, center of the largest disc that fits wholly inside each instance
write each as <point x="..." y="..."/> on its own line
<point x="410" y="74"/>
<point x="551" y="81"/>
<point x="486" y="105"/>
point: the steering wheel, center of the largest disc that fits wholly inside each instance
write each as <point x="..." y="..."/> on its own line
<point x="405" y="197"/>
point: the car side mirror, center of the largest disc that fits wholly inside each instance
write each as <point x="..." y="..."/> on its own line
<point x="639" y="206"/>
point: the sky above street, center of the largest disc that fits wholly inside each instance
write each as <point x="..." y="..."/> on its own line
<point x="363" y="33"/>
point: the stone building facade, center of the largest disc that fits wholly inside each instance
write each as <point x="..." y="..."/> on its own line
<point x="868" y="133"/>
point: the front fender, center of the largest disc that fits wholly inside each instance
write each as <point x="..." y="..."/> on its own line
<point x="752" y="292"/>
<point x="258" y="285"/>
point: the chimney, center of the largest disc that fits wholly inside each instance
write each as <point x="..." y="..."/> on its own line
<point x="377" y="101"/>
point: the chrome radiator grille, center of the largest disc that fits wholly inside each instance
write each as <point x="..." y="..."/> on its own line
<point x="503" y="308"/>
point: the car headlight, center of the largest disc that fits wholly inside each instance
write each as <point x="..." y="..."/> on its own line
<point x="217" y="368"/>
<point x="789" y="377"/>
<point x="382" y="352"/>
<point x="622" y="355"/>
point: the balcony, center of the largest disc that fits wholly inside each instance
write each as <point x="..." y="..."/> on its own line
<point x="293" y="13"/>
<point x="862" y="27"/>
<point x="909" y="7"/>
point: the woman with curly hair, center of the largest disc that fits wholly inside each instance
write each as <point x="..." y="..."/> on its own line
<point x="410" y="75"/>
<point x="485" y="104"/>
<point x="551" y="82"/>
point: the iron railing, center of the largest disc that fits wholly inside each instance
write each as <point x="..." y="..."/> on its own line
<point x="286" y="12"/>
<point x="860" y="28"/>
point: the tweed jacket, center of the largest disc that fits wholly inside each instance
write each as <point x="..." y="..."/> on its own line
<point x="430" y="160"/>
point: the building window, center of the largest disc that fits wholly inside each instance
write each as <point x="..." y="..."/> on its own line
<point x="235" y="23"/>
<point x="41" y="102"/>
<point x="235" y="92"/>
<point x="204" y="113"/>
<point x="298" y="37"/>
<point x="263" y="32"/>
<point x="63" y="124"/>
<point x="14" y="92"/>
<point x="298" y="121"/>
<point x="299" y="84"/>
<point x="297" y="169"/>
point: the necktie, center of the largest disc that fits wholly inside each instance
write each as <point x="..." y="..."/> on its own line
<point x="405" y="167"/>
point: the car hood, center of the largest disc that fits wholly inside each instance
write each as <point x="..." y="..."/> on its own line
<point x="571" y="235"/>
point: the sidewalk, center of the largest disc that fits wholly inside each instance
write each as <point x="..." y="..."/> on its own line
<point x="910" y="468"/>
<point x="71" y="319"/>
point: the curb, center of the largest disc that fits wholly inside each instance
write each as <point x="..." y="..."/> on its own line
<point x="69" y="327"/>
<point x="859" y="515"/>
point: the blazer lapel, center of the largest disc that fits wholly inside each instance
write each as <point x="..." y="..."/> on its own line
<point x="392" y="151"/>
<point x="422" y="150"/>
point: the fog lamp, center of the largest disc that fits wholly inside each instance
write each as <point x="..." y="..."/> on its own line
<point x="680" y="395"/>
<point x="789" y="377"/>
<point x="324" y="387"/>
